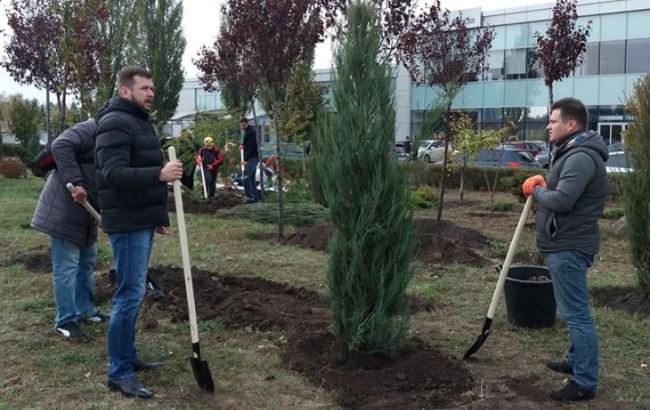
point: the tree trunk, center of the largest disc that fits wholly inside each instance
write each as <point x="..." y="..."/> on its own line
<point x="47" y="110"/>
<point x="278" y="165"/>
<point x="550" y="103"/>
<point x="462" y="178"/>
<point x="259" y="151"/>
<point x="443" y="179"/>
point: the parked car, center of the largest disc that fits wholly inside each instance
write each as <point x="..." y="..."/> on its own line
<point x="531" y="147"/>
<point x="400" y="152"/>
<point x="543" y="158"/>
<point x="619" y="162"/>
<point x="422" y="148"/>
<point x="434" y="151"/>
<point x="504" y="157"/>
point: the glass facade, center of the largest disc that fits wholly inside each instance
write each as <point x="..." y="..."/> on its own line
<point x="512" y="89"/>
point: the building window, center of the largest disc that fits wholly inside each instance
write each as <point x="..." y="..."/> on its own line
<point x="535" y="69"/>
<point x="495" y="65"/>
<point x="612" y="57"/>
<point x="516" y="64"/>
<point x="590" y="60"/>
<point x="638" y="58"/>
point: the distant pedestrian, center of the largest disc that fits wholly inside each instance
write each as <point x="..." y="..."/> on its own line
<point x="72" y="230"/>
<point x="407" y="145"/>
<point x="209" y="157"/>
<point x="251" y="160"/>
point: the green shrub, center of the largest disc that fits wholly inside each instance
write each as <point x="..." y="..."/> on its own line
<point x="637" y="184"/>
<point x="501" y="206"/>
<point x="613" y="213"/>
<point x="424" y="197"/>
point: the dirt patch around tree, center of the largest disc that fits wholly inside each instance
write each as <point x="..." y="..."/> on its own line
<point x="630" y="299"/>
<point x="436" y="242"/>
<point x="224" y="199"/>
<point x="418" y="377"/>
<point x="37" y="260"/>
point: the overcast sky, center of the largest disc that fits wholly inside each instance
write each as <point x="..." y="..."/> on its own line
<point x="200" y="25"/>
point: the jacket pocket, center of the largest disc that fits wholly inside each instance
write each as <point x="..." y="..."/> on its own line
<point x="551" y="227"/>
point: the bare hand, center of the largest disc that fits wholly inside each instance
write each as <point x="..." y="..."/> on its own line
<point x="79" y="194"/>
<point x="163" y="230"/>
<point x="172" y="171"/>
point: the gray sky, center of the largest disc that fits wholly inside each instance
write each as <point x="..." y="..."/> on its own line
<point x="200" y="25"/>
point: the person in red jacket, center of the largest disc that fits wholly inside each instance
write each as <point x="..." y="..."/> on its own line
<point x="210" y="158"/>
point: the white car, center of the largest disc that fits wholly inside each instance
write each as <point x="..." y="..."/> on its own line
<point x="619" y="162"/>
<point x="432" y="151"/>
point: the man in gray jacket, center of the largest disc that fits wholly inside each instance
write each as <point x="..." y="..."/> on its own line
<point x="72" y="229"/>
<point x="570" y="201"/>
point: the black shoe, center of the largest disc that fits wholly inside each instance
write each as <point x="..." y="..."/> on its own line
<point x="141" y="365"/>
<point x="70" y="330"/>
<point x="560" y="367"/>
<point x="573" y="392"/>
<point x="98" y="317"/>
<point x="130" y="388"/>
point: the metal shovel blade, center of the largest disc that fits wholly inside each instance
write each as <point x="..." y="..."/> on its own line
<point x="201" y="370"/>
<point x="480" y="339"/>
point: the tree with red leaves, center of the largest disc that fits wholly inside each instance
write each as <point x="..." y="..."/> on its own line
<point x="561" y="49"/>
<point x="439" y="50"/>
<point x="55" y="46"/>
<point x="260" y="42"/>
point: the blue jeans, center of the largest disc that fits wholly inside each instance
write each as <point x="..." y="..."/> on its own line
<point x="250" y="186"/>
<point x="72" y="279"/>
<point x="569" y="272"/>
<point x="131" y="252"/>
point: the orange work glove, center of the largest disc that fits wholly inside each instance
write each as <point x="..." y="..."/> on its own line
<point x="530" y="183"/>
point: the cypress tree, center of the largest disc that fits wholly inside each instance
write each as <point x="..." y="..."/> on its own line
<point x="371" y="248"/>
<point x="637" y="183"/>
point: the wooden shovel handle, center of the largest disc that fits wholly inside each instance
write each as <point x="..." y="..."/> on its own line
<point x="185" y="252"/>
<point x="511" y="253"/>
<point x="86" y="205"/>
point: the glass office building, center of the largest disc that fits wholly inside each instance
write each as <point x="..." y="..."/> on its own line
<point x="512" y="89"/>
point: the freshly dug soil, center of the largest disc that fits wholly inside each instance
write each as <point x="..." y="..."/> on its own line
<point x="419" y="377"/>
<point x="629" y="299"/>
<point x="437" y="242"/>
<point x="224" y="198"/>
<point x="38" y="260"/>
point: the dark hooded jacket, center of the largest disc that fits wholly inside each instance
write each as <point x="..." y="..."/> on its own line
<point x="129" y="158"/>
<point x="56" y="212"/>
<point x="574" y="199"/>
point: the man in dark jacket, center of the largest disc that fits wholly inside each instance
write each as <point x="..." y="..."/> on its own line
<point x="251" y="159"/>
<point x="209" y="157"/>
<point x="132" y="181"/>
<point x="570" y="201"/>
<point x="72" y="229"/>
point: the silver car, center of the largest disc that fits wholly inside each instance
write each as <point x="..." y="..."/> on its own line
<point x="433" y="151"/>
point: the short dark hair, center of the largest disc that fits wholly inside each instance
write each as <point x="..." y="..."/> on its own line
<point x="126" y="75"/>
<point x="243" y="120"/>
<point x="571" y="109"/>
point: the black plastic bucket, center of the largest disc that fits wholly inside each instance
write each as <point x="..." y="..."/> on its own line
<point x="530" y="302"/>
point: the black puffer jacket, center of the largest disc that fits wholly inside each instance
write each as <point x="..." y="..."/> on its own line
<point x="56" y="212"/>
<point x="250" y="143"/>
<point x="129" y="158"/>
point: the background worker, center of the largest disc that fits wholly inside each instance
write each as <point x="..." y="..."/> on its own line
<point x="209" y="157"/>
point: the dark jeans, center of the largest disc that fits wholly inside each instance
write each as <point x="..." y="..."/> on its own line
<point x="569" y="272"/>
<point x="210" y="181"/>
<point x="131" y="252"/>
<point x="250" y="186"/>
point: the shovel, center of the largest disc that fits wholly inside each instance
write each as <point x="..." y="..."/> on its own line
<point x="485" y="332"/>
<point x="200" y="367"/>
<point x="205" y="188"/>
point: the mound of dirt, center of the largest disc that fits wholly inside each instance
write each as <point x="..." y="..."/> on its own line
<point x="240" y="301"/>
<point x="38" y="260"/>
<point x="629" y="299"/>
<point x="224" y="199"/>
<point x="418" y="377"/>
<point x="437" y="242"/>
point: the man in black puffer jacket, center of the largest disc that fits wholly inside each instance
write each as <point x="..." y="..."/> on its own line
<point x="132" y="182"/>
<point x="571" y="199"/>
<point x="72" y="230"/>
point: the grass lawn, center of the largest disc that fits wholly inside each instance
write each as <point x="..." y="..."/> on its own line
<point x="38" y="369"/>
